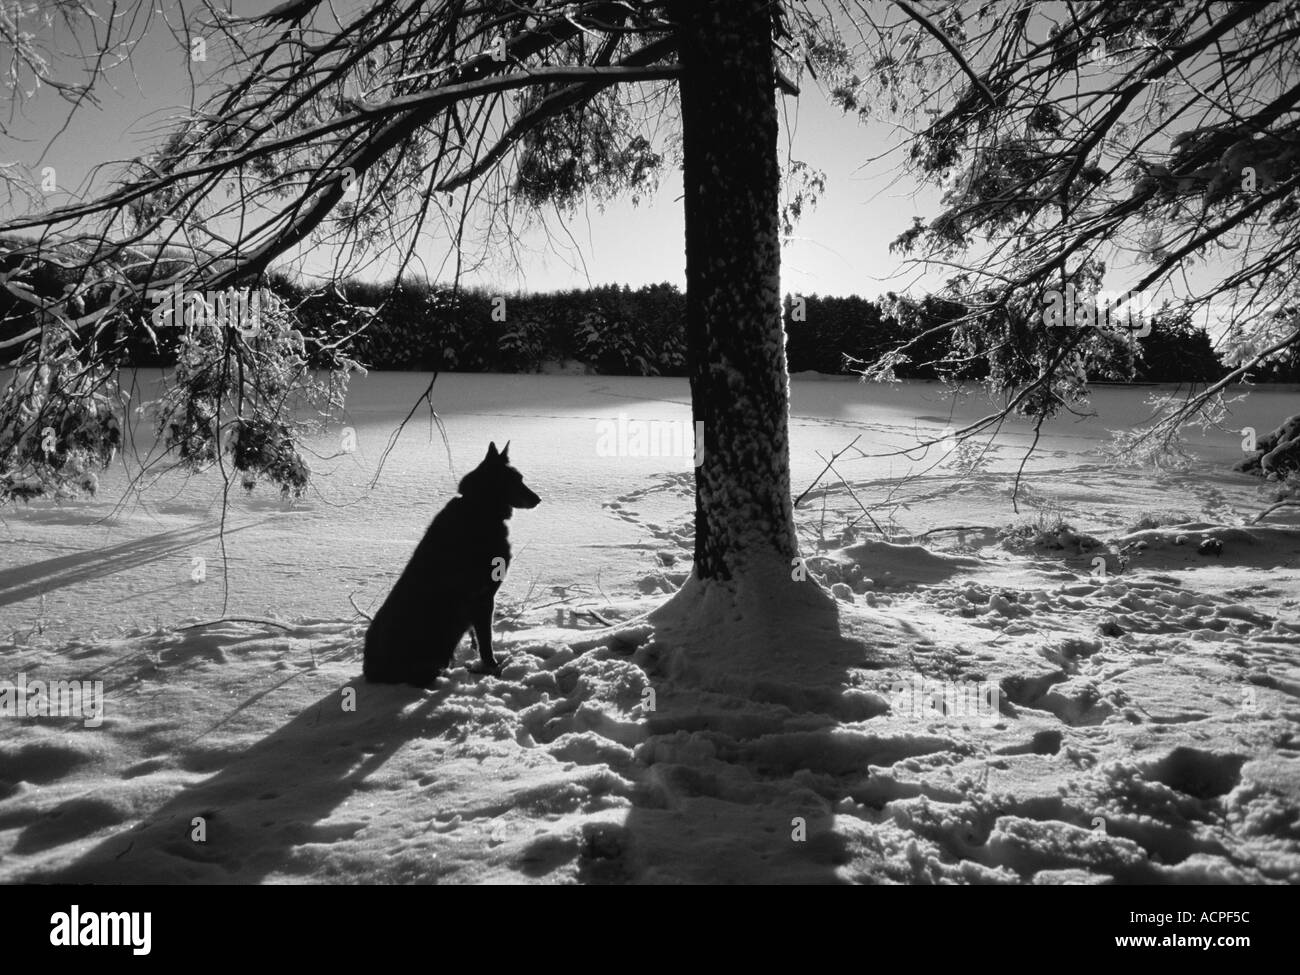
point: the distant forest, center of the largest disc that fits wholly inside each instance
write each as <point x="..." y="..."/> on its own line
<point x="618" y="330"/>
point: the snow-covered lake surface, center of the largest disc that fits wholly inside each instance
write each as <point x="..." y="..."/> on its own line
<point x="1147" y="725"/>
<point x="119" y="559"/>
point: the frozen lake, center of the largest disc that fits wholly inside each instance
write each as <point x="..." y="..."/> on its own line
<point x="604" y="521"/>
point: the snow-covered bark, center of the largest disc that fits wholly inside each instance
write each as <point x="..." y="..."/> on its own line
<point x="739" y="385"/>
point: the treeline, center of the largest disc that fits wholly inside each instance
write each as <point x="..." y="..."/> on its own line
<point x="618" y="330"/>
<point x="613" y="330"/>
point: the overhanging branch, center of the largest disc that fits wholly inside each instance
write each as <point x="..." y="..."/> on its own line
<point x="549" y="107"/>
<point x="943" y="39"/>
<point x="421" y="105"/>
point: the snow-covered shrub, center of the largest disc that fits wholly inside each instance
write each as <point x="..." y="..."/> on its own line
<point x="1158" y="519"/>
<point x="246" y="400"/>
<point x="1046" y="531"/>
<point x="606" y="340"/>
<point x="1277" y="454"/>
<point x="58" y="425"/>
<point x="521" y="345"/>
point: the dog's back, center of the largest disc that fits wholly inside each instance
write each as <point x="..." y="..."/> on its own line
<point x="451" y="581"/>
<point x="430" y="607"/>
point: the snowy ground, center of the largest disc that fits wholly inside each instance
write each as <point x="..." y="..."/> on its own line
<point x="1146" y="721"/>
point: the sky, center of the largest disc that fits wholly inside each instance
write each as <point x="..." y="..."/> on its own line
<point x="841" y="247"/>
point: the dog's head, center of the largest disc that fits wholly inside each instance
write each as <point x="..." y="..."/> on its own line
<point x="495" y="482"/>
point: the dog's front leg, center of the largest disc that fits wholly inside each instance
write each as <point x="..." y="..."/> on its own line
<point x="481" y="621"/>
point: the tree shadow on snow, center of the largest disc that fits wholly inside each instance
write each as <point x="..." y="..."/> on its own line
<point x="29" y="581"/>
<point x="742" y="760"/>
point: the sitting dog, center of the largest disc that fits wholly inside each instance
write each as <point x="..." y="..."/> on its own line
<point x="451" y="582"/>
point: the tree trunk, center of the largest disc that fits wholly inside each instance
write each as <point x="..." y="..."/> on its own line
<point x="739" y="385"/>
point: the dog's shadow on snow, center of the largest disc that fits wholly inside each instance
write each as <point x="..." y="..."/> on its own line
<point x="270" y="809"/>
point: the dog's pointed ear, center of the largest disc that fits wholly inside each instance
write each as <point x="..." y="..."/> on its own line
<point x="505" y="451"/>
<point x="492" y="450"/>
